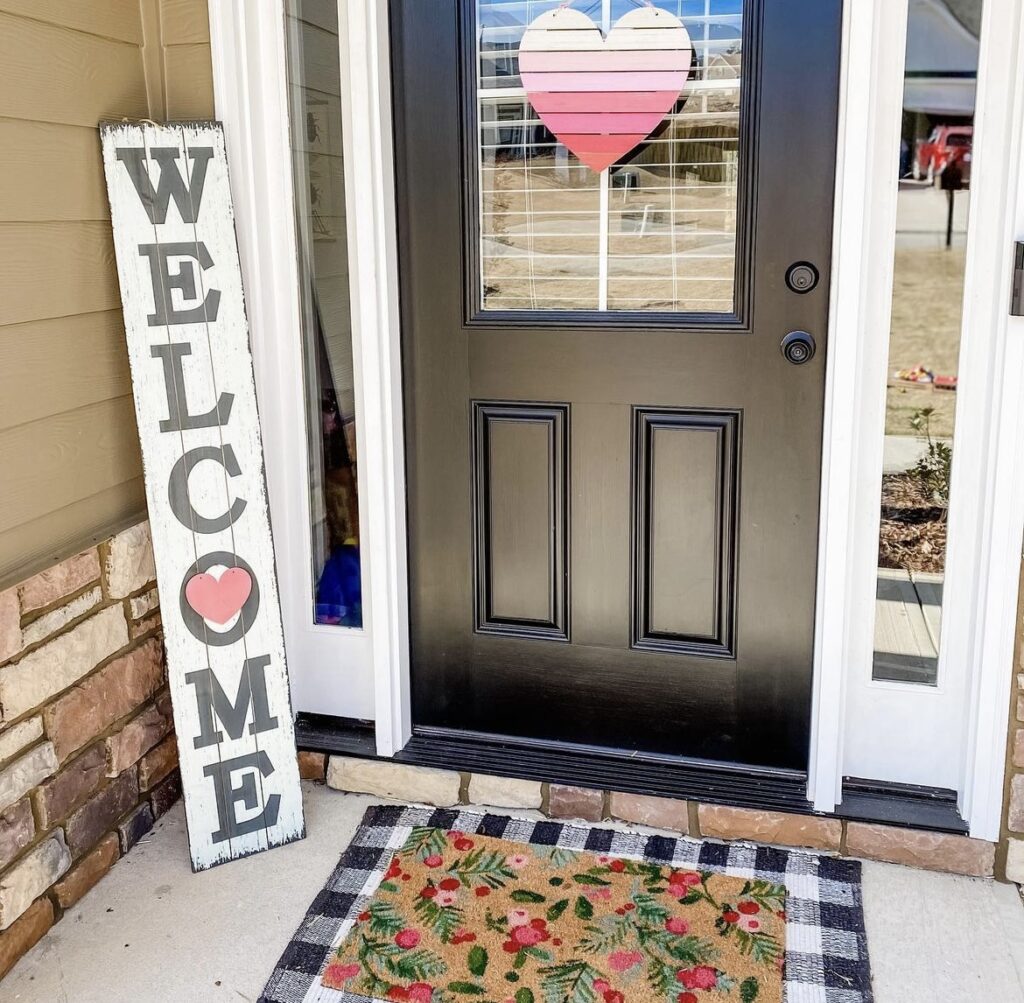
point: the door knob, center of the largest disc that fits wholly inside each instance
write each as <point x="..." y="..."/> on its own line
<point x="798" y="347"/>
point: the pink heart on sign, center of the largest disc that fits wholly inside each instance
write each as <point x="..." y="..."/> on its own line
<point x="218" y="599"/>
<point x="602" y="97"/>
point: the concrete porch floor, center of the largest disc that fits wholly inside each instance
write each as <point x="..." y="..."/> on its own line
<point x="153" y="931"/>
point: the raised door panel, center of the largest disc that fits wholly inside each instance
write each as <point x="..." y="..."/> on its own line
<point x="521" y="519"/>
<point x="686" y="485"/>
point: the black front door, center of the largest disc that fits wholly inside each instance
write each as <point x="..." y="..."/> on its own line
<point x="613" y="468"/>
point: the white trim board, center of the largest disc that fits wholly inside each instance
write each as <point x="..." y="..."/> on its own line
<point x="988" y="482"/>
<point x="855" y="717"/>
<point x="375" y="294"/>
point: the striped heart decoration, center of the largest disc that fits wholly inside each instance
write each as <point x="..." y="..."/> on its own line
<point x="602" y="97"/>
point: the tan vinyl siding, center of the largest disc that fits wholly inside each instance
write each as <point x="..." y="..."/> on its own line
<point x="70" y="470"/>
<point x="189" y="81"/>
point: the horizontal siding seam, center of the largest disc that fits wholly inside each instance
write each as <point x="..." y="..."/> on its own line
<point x="62" y="125"/>
<point x="44" y="320"/>
<point x="51" y="222"/>
<point x="84" y="500"/>
<point x="81" y="409"/>
<point x="21" y="16"/>
<point x="41" y="560"/>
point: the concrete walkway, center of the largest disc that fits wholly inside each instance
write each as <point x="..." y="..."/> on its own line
<point x="152" y="931"/>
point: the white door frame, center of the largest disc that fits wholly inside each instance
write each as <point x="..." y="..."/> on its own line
<point x="987" y="517"/>
<point x="250" y="87"/>
<point x="251" y="93"/>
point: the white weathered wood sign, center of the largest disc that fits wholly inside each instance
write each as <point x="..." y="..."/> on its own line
<point x="195" y="399"/>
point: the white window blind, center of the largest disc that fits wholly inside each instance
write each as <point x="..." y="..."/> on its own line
<point x="657" y="231"/>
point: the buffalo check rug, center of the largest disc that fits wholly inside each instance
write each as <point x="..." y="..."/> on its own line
<point x="445" y="906"/>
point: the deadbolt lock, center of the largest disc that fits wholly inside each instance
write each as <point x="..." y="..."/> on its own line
<point x="802" y="277"/>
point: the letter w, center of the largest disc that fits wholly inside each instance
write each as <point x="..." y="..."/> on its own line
<point x="171" y="184"/>
<point x="211" y="699"/>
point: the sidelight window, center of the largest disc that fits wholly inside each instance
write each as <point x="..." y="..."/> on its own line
<point x="314" y="69"/>
<point x="935" y="187"/>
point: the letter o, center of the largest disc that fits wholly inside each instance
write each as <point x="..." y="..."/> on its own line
<point x="196" y="624"/>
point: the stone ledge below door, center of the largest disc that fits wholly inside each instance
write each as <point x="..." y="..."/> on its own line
<point x="444" y="788"/>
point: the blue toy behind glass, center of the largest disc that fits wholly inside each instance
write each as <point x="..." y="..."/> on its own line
<point x="339" y="593"/>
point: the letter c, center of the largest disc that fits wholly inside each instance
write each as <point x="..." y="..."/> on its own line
<point x="178" y="489"/>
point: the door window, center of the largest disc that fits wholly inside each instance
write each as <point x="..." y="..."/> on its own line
<point x="654" y="232"/>
<point x="322" y="236"/>
<point x="924" y="337"/>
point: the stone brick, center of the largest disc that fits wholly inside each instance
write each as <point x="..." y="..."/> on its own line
<point x="135" y="826"/>
<point x="139" y="606"/>
<point x="769" y="827"/>
<point x="17" y="779"/>
<point x="129" y="564"/>
<point x="313" y="766"/>
<point x="138" y="736"/>
<point x="394" y="780"/>
<point x="1015" y="809"/>
<point x="661" y="813"/>
<point x="50" y="623"/>
<point x="575" y="802"/>
<point x="1015" y="861"/>
<point x="73" y="786"/>
<point x="139" y="627"/>
<point x="155" y="765"/>
<point x="1018" y="747"/>
<point x="113" y="692"/>
<point x="23" y="883"/>
<point x="504" y="792"/>
<point x="60" y="663"/>
<point x="166" y="794"/>
<point x="10" y="625"/>
<point x="1020" y="708"/>
<point x="83" y="876"/>
<point x="16" y="831"/>
<point x="936" y="851"/>
<point x="25" y="934"/>
<point x="19" y="737"/>
<point x="102" y="812"/>
<point x="61" y="580"/>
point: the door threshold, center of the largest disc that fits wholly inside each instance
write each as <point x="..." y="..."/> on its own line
<point x="734" y="785"/>
<point x="340" y="736"/>
<point x="611" y="770"/>
<point x="577" y="766"/>
<point x="932" y="808"/>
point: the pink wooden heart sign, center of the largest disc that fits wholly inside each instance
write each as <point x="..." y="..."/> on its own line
<point x="218" y="599"/>
<point x="601" y="97"/>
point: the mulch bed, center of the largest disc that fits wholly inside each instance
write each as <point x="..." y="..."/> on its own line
<point x="913" y="530"/>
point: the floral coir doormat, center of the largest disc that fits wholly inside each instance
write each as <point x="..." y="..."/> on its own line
<point x="445" y="906"/>
<point x="473" y="916"/>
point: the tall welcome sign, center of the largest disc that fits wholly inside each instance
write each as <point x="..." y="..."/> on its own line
<point x="195" y="399"/>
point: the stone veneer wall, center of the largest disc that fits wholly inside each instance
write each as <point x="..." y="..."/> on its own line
<point x="446" y="788"/>
<point x="1010" y="858"/>
<point x="88" y="760"/>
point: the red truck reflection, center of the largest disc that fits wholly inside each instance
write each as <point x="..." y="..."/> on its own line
<point x="945" y="144"/>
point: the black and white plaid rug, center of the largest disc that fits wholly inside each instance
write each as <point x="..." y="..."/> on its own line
<point x="826" y="948"/>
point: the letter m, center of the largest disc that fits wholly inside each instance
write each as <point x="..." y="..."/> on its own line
<point x="170" y="184"/>
<point x="213" y="701"/>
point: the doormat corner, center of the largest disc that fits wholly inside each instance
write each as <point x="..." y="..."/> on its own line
<point x="443" y="906"/>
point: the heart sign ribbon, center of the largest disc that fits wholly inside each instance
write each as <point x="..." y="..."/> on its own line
<point x="218" y="599"/>
<point x="601" y="97"/>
